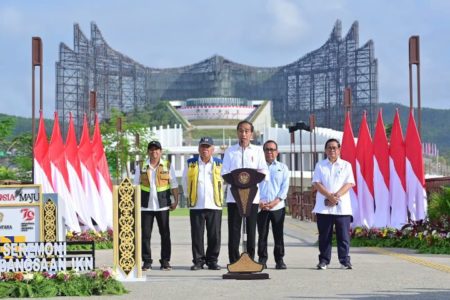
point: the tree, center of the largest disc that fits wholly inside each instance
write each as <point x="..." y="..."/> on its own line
<point x="24" y="156"/>
<point x="119" y="146"/>
<point x="18" y="157"/>
<point x="6" y="127"/>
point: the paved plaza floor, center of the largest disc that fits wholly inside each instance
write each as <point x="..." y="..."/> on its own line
<point x="378" y="273"/>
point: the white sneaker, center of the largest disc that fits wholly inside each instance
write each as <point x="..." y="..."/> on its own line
<point x="347" y="266"/>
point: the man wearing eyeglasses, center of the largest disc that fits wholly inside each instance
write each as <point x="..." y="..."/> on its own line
<point x="333" y="178"/>
<point x="272" y="206"/>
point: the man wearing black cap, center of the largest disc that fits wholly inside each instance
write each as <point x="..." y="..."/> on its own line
<point x="158" y="181"/>
<point x="203" y="186"/>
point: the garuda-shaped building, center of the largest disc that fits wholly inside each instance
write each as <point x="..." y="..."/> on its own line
<point x="312" y="84"/>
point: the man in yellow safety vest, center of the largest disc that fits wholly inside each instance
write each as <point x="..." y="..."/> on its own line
<point x="203" y="187"/>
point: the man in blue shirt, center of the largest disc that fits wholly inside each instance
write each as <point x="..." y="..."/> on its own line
<point x="272" y="206"/>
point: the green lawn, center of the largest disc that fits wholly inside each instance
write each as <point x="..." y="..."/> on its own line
<point x="184" y="212"/>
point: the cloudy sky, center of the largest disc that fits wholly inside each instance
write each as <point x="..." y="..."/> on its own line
<point x="172" y="33"/>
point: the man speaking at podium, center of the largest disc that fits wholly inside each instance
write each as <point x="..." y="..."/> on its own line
<point x="242" y="155"/>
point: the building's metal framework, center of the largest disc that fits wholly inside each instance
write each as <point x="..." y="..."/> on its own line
<point x="312" y="84"/>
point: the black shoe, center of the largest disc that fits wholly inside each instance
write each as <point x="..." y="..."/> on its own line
<point x="197" y="266"/>
<point x="262" y="262"/>
<point x="280" y="265"/>
<point x="213" y="266"/>
<point x="321" y="266"/>
<point x="165" y="266"/>
<point x="146" y="266"/>
<point x="346" y="266"/>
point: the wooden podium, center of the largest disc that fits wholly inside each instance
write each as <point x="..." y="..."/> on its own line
<point x="244" y="188"/>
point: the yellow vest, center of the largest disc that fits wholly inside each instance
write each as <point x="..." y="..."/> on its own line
<point x="162" y="177"/>
<point x="192" y="180"/>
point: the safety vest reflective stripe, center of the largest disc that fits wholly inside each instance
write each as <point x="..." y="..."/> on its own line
<point x="192" y="182"/>
<point x="162" y="177"/>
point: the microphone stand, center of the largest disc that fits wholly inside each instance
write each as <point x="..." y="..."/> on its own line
<point x="244" y="221"/>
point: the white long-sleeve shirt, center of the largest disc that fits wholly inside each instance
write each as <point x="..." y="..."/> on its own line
<point x="236" y="157"/>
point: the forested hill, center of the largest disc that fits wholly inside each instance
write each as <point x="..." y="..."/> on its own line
<point x="435" y="123"/>
<point x="23" y="125"/>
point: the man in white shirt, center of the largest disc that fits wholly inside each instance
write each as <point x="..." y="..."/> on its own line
<point x="242" y="155"/>
<point x="333" y="178"/>
<point x="158" y="181"/>
<point x="203" y="187"/>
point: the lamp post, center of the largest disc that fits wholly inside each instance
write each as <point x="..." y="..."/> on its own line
<point x="312" y="127"/>
<point x="292" y="146"/>
<point x="299" y="126"/>
<point x="292" y="163"/>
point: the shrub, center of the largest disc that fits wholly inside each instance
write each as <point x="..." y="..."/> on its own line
<point x="63" y="283"/>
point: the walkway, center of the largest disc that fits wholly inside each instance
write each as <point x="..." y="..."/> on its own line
<point x="377" y="274"/>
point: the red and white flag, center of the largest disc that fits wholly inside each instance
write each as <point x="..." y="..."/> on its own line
<point x="415" y="180"/>
<point x="75" y="178"/>
<point x="397" y="184"/>
<point x="364" y="174"/>
<point x="103" y="177"/>
<point x="89" y="175"/>
<point x="42" y="169"/>
<point x="381" y="175"/>
<point x="60" y="177"/>
<point x="348" y="153"/>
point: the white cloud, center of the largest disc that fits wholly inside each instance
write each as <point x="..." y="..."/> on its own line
<point x="289" y="25"/>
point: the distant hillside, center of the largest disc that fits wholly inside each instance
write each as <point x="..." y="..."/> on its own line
<point x="23" y="125"/>
<point x="435" y="123"/>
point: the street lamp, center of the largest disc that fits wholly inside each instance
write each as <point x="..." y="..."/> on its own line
<point x="299" y="126"/>
<point x="312" y="127"/>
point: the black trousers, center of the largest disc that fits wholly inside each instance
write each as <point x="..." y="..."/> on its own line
<point x="212" y="218"/>
<point x="265" y="218"/>
<point x="162" y="218"/>
<point x="325" y="225"/>
<point x="234" y="231"/>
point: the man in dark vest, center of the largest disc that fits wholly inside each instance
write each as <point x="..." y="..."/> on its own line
<point x="158" y="181"/>
<point x="203" y="187"/>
